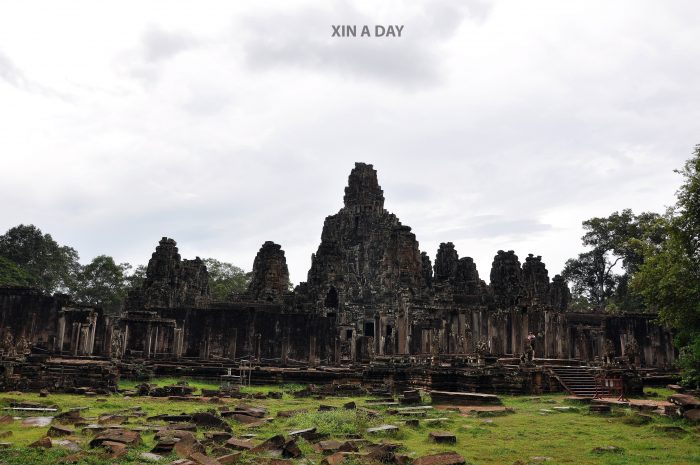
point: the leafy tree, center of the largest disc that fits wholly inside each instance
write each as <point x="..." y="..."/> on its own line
<point x="102" y="282"/>
<point x="50" y="265"/>
<point x="11" y="274"/>
<point x="225" y="278"/>
<point x="136" y="278"/>
<point x="669" y="278"/>
<point x="601" y="275"/>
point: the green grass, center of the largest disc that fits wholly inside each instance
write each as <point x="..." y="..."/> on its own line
<point x="567" y="437"/>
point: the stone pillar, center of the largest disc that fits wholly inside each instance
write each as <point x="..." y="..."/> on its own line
<point x="61" y="333"/>
<point x="93" y="329"/>
<point x="126" y="338"/>
<point x="147" y="351"/>
<point x="285" y="351"/>
<point x="258" y="351"/>
<point x="312" y="350"/>
<point x="75" y="338"/>
<point x="156" y="342"/>
<point x="336" y="351"/>
<point x="232" y="344"/>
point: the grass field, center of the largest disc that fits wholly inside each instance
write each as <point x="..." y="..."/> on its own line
<point x="534" y="431"/>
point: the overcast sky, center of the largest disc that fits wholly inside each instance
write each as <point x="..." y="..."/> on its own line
<point x="496" y="125"/>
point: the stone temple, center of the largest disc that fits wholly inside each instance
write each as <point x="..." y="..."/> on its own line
<point x="374" y="307"/>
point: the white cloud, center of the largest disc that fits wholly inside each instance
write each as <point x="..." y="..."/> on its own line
<point x="493" y="125"/>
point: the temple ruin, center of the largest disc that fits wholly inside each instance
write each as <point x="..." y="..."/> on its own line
<point x="373" y="305"/>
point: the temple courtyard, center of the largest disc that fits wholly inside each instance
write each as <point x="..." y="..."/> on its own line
<point x="171" y="422"/>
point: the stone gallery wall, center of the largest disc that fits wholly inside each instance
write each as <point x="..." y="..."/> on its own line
<point x="49" y="324"/>
<point x="370" y="292"/>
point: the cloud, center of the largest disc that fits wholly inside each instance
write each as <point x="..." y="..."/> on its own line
<point x="302" y="40"/>
<point x="159" y="44"/>
<point x="17" y="78"/>
<point x="494" y="125"/>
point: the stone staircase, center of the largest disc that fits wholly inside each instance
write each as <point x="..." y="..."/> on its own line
<point x="577" y="380"/>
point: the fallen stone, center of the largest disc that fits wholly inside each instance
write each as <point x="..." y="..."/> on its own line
<point x="229" y="459"/>
<point x="442" y="437"/>
<point x="208" y="420"/>
<point x="37" y="421"/>
<point x="565" y="409"/>
<point x="692" y="415"/>
<point x="327" y="447"/>
<point x="290" y="413"/>
<point x="240" y="444"/>
<point x="123" y="436"/>
<point x="335" y="459"/>
<point x="350" y="406"/>
<point x="219" y="436"/>
<point x="685" y="401"/>
<point x="70" y="417"/>
<point x="608" y="450"/>
<point x="291" y="450"/>
<point x="187" y="446"/>
<point x="383" y="429"/>
<point x="112" y="419"/>
<point x="164" y="446"/>
<point x="304" y="433"/>
<point x="150" y="457"/>
<point x="182" y="427"/>
<point x="274" y="444"/>
<point x="6" y="420"/>
<point x="5" y="434"/>
<point x="44" y="442"/>
<point x="58" y="431"/>
<point x="464" y="398"/>
<point x="202" y="459"/>
<point x="445" y="458"/>
<point x="114" y="449"/>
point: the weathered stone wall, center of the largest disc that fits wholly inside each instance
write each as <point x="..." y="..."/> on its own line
<point x="30" y="320"/>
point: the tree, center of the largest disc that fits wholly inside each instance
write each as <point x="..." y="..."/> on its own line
<point x="50" y="265"/>
<point x="601" y="275"/>
<point x="669" y="278"/>
<point x="11" y="274"/>
<point x="225" y="278"/>
<point x="102" y="282"/>
<point x="137" y="277"/>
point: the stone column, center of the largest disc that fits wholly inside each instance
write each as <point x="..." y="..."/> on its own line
<point x="61" y="333"/>
<point x="147" y="351"/>
<point x="75" y="338"/>
<point x="284" y="351"/>
<point x="126" y="338"/>
<point x="232" y="344"/>
<point x="258" y="347"/>
<point x="312" y="350"/>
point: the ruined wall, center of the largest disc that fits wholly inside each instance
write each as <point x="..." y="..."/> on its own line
<point x="257" y="331"/>
<point x="49" y="324"/>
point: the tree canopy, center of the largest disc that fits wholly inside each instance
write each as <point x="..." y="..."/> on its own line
<point x="49" y="266"/>
<point x="669" y="278"/>
<point x="102" y="282"/>
<point x="600" y="276"/>
<point x="225" y="278"/>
